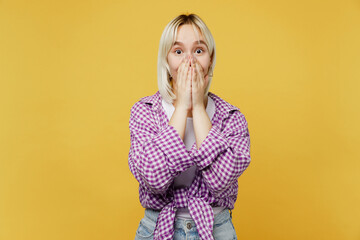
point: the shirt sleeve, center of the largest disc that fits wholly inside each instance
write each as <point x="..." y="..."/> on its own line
<point x="224" y="154"/>
<point x="156" y="155"/>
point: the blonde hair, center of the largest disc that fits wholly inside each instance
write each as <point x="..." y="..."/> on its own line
<point x="167" y="40"/>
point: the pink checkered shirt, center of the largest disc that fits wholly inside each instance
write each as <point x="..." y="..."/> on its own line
<point x="157" y="155"/>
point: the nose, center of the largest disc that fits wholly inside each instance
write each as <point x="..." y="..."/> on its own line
<point x="191" y="57"/>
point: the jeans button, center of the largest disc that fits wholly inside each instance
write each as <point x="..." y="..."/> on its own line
<point x="188" y="225"/>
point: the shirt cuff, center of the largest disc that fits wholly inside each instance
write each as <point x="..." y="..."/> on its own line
<point x="170" y="143"/>
<point x="213" y="145"/>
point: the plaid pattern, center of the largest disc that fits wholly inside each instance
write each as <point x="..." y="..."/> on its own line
<point x="157" y="155"/>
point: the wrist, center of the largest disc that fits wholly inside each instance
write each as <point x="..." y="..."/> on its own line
<point x="200" y="102"/>
<point x="181" y="105"/>
<point x="198" y="108"/>
<point x="182" y="108"/>
<point x="199" y="105"/>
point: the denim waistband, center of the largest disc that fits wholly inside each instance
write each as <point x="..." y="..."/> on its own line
<point x="218" y="218"/>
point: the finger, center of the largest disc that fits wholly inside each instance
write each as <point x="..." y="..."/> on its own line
<point x="188" y="80"/>
<point x="189" y="72"/>
<point x="192" y="67"/>
<point x="200" y="72"/>
<point x="181" y="67"/>
<point x="194" y="73"/>
<point x="188" y="69"/>
<point x="184" y="63"/>
<point x="184" y="70"/>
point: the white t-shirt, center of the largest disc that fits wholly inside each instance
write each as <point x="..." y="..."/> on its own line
<point x="185" y="178"/>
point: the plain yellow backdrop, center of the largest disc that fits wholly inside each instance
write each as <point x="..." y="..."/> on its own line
<point x="71" y="70"/>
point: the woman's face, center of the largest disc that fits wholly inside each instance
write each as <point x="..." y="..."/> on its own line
<point x="188" y="44"/>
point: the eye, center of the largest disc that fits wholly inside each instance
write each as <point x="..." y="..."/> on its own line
<point x="178" y="51"/>
<point x="199" y="50"/>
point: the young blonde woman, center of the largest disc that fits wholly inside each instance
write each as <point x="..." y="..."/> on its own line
<point x="188" y="145"/>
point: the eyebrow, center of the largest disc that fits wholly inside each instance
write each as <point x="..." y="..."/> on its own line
<point x="199" y="42"/>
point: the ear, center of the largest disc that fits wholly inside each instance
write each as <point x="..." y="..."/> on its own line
<point x="211" y="58"/>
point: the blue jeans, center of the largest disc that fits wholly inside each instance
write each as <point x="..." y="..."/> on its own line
<point x="186" y="229"/>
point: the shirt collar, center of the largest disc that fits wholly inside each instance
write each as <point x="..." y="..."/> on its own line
<point x="220" y="104"/>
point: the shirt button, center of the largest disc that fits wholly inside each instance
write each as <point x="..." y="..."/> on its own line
<point x="188" y="225"/>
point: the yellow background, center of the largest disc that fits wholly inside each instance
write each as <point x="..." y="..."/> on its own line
<point x="71" y="70"/>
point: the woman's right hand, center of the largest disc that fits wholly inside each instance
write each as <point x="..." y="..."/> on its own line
<point x="183" y="102"/>
<point x="183" y="85"/>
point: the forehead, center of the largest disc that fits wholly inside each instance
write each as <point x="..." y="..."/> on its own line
<point x="188" y="32"/>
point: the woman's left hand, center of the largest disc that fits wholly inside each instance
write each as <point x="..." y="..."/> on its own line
<point x="199" y="83"/>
